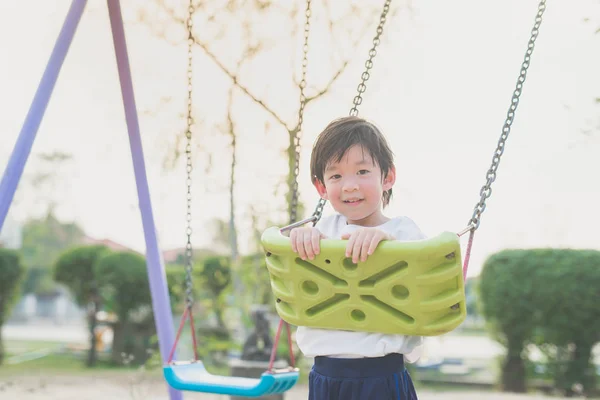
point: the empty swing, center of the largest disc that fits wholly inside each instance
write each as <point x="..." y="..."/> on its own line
<point x="193" y="375"/>
<point x="409" y="288"/>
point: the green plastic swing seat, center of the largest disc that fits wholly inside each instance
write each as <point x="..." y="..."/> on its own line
<point x="410" y="288"/>
<point x="193" y="376"/>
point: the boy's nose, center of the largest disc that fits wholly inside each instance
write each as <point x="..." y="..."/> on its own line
<point x="350" y="185"/>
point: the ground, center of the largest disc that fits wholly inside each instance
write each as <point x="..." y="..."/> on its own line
<point x="136" y="387"/>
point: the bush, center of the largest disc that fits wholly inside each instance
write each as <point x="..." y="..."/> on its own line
<point x="75" y="269"/>
<point x="11" y="273"/>
<point x="124" y="290"/>
<point x="547" y="297"/>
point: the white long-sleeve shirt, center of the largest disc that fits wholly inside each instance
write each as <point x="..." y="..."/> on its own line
<point x="349" y="344"/>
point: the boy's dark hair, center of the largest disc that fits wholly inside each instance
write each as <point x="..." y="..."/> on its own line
<point x="339" y="136"/>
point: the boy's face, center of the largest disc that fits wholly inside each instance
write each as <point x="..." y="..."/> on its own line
<point x="355" y="187"/>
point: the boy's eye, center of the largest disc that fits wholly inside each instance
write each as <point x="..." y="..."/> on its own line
<point x="335" y="176"/>
<point x="363" y="171"/>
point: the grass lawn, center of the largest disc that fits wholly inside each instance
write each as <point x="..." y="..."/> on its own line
<point x="50" y="358"/>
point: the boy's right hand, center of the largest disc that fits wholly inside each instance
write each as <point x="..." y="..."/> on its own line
<point x="305" y="241"/>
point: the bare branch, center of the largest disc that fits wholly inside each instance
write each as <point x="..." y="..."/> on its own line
<point x="327" y="87"/>
<point x="234" y="77"/>
<point x="366" y="28"/>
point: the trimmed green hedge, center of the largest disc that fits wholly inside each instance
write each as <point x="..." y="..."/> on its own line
<point x="11" y="273"/>
<point x="549" y="298"/>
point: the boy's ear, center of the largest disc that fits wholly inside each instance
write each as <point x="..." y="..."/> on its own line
<point x="389" y="179"/>
<point x="321" y="189"/>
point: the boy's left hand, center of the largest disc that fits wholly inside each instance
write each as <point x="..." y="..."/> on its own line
<point x="363" y="242"/>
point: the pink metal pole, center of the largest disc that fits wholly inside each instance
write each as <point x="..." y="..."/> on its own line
<point x="156" y="270"/>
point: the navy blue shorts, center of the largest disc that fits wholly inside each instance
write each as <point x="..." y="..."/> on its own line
<point x="381" y="378"/>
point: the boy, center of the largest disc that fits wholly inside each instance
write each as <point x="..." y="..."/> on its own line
<point x="352" y="167"/>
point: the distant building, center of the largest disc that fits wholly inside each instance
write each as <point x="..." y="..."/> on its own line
<point x="112" y="245"/>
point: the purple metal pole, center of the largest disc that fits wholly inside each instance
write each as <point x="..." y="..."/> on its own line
<point x="20" y="153"/>
<point x="156" y="269"/>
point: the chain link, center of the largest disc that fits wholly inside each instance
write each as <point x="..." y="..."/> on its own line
<point x="298" y="130"/>
<point x="189" y="285"/>
<point x="486" y="190"/>
<point x="362" y="86"/>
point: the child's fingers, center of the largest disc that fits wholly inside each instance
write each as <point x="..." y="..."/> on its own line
<point x="300" y="245"/>
<point x="364" y="249"/>
<point x="316" y="239"/>
<point x="350" y="245"/>
<point x="308" y="247"/>
<point x="293" y="235"/>
<point x="357" y="247"/>
<point x="374" y="243"/>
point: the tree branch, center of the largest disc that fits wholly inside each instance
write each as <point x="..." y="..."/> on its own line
<point x="342" y="68"/>
<point x="329" y="84"/>
<point x="234" y="77"/>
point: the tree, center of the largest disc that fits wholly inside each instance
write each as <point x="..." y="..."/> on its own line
<point x="504" y="288"/>
<point x="43" y="241"/>
<point x="75" y="269"/>
<point x="215" y="275"/>
<point x="546" y="297"/>
<point x="124" y="290"/>
<point x="11" y="272"/>
<point x="567" y="293"/>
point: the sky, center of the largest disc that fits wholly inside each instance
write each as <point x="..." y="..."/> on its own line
<point x="440" y="89"/>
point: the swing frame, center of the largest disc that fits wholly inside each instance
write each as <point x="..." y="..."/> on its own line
<point x="156" y="270"/>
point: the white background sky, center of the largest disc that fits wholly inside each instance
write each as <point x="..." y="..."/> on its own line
<point x="441" y="85"/>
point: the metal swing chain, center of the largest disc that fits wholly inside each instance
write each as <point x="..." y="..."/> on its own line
<point x="362" y="87"/>
<point x="296" y="172"/>
<point x="189" y="286"/>
<point x="486" y="190"/>
<point x="298" y="131"/>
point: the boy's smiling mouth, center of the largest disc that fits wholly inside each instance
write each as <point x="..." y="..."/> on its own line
<point x="352" y="201"/>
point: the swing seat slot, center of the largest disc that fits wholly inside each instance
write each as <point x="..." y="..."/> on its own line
<point x="409" y="288"/>
<point x="193" y="376"/>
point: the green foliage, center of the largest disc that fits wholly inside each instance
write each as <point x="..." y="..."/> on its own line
<point x="11" y="272"/>
<point x="175" y="283"/>
<point x="75" y="269"/>
<point x="547" y="297"/>
<point x="124" y="290"/>
<point x="216" y="274"/>
<point x="214" y="345"/>
<point x="123" y="283"/>
<point x="471" y="294"/>
<point x="43" y="241"/>
<point x="254" y="274"/>
<point x="215" y="278"/>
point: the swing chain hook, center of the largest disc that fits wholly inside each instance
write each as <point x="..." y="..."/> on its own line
<point x="298" y="130"/>
<point x="486" y="190"/>
<point x="362" y="86"/>
<point x="189" y="286"/>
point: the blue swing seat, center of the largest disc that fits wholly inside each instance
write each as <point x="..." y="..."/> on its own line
<point x="193" y="376"/>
